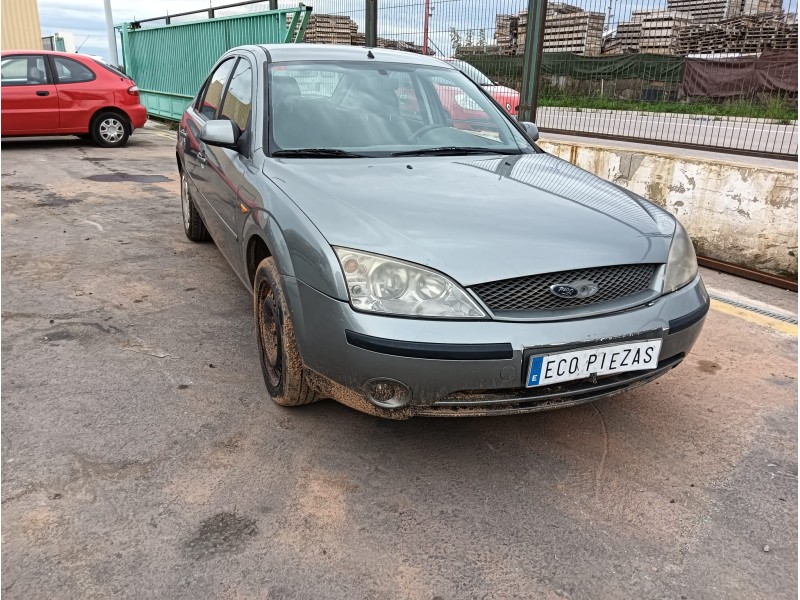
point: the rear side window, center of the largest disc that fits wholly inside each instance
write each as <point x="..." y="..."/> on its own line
<point x="71" y="71"/>
<point x="212" y="97"/>
<point x="239" y="99"/>
<point x="114" y="70"/>
<point x="24" y="70"/>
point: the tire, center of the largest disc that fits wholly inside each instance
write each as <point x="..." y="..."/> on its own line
<point x="110" y="130"/>
<point x="193" y="225"/>
<point x="280" y="359"/>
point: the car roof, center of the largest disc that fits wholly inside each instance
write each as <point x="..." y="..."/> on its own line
<point x="40" y="51"/>
<point x="334" y="52"/>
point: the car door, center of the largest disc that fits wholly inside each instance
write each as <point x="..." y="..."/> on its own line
<point x="80" y="93"/>
<point x="229" y="165"/>
<point x="202" y="175"/>
<point x="30" y="100"/>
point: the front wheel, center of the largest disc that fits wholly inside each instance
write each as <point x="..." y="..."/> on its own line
<point x="280" y="359"/>
<point x="110" y="130"/>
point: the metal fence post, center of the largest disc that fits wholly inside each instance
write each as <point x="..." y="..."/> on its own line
<point x="531" y="67"/>
<point x="371" y="25"/>
<point x="273" y="4"/>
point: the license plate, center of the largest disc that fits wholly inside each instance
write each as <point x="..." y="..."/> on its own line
<point x="602" y="360"/>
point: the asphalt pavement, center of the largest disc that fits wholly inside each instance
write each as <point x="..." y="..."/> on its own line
<point x="142" y="457"/>
<point x="760" y="135"/>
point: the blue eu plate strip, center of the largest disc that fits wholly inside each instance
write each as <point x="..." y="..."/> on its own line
<point x="534" y="374"/>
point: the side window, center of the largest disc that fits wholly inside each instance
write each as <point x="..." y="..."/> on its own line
<point x="239" y="100"/>
<point x="216" y="86"/>
<point x="23" y="70"/>
<point x="71" y="71"/>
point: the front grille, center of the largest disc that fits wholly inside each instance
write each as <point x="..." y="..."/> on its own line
<point x="533" y="292"/>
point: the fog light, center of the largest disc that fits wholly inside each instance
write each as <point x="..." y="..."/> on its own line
<point x="387" y="393"/>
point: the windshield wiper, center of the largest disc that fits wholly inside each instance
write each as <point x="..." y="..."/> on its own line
<point x="450" y="151"/>
<point x="317" y="153"/>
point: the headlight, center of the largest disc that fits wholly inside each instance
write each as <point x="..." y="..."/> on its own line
<point x="682" y="263"/>
<point x="386" y="285"/>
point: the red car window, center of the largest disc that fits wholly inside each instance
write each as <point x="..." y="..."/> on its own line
<point x="71" y="71"/>
<point x="24" y="70"/>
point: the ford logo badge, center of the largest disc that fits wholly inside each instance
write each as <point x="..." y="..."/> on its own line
<point x="576" y="289"/>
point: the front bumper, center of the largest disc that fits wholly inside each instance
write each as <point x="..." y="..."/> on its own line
<point x="475" y="367"/>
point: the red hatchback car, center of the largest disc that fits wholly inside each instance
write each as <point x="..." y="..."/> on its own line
<point x="58" y="93"/>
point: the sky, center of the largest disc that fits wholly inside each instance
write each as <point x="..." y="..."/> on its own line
<point x="397" y="19"/>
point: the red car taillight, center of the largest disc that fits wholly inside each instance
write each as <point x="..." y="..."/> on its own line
<point x="133" y="90"/>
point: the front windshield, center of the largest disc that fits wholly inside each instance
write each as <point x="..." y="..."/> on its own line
<point x="470" y="71"/>
<point x="380" y="109"/>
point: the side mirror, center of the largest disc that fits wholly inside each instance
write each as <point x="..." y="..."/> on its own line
<point x="221" y="132"/>
<point x="531" y="129"/>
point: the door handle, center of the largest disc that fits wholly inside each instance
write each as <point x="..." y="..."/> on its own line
<point x="42" y="93"/>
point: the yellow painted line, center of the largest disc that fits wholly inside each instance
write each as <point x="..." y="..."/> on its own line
<point x="764" y="320"/>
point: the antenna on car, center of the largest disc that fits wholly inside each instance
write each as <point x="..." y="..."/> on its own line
<point x="370" y="54"/>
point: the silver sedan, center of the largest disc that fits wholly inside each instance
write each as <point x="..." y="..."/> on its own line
<point x="412" y="251"/>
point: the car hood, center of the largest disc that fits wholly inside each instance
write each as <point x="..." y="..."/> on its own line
<point x="476" y="219"/>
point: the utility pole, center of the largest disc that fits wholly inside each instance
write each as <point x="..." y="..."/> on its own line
<point x="112" y="36"/>
<point x="425" y="28"/>
<point x="371" y="25"/>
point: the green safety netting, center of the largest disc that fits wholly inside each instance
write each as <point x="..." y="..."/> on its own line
<point x="650" y="67"/>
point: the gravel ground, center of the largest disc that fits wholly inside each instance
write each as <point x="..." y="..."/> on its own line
<point x="142" y="457"/>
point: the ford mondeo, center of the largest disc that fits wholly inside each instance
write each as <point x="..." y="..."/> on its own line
<point x="407" y="260"/>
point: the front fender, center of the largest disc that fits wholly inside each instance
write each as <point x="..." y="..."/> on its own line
<point x="298" y="248"/>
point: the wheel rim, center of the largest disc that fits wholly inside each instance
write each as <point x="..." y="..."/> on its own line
<point x="111" y="130"/>
<point x="185" y="201"/>
<point x="269" y="332"/>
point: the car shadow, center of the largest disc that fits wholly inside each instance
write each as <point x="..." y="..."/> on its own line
<point x="58" y="142"/>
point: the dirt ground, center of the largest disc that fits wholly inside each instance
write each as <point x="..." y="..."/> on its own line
<point x="142" y="457"/>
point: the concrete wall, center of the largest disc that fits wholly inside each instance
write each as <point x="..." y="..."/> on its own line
<point x="20" y="25"/>
<point x="736" y="212"/>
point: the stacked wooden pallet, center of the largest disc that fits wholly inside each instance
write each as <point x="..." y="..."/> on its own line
<point x="399" y="45"/>
<point x="522" y="30"/>
<point x="490" y="49"/>
<point x="573" y="31"/>
<point x="744" y="34"/>
<point x="330" y="29"/>
<point x="628" y="36"/>
<point x="561" y="8"/>
<point x="359" y="39"/>
<point x="505" y="30"/>
<point x="659" y="31"/>
<point x="702" y="11"/>
<point x="737" y="8"/>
